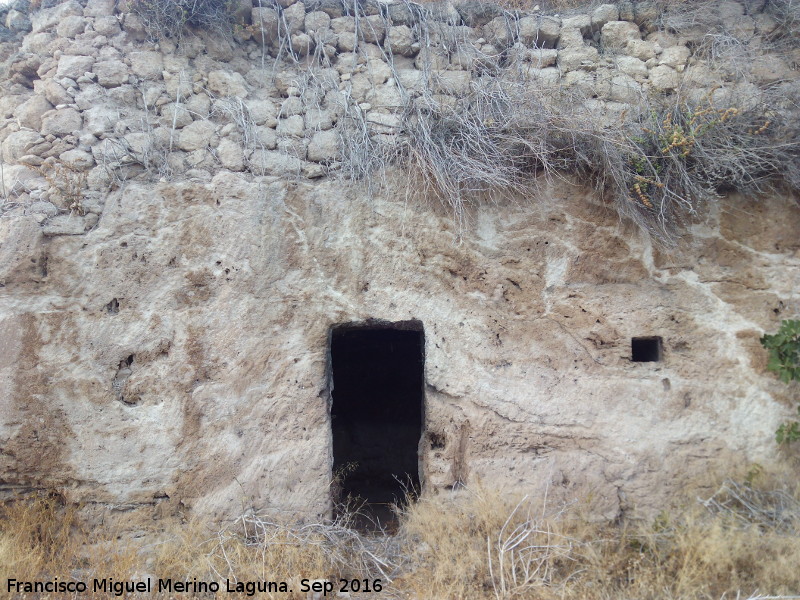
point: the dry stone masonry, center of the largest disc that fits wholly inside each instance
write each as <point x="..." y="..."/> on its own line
<point x="178" y="237"/>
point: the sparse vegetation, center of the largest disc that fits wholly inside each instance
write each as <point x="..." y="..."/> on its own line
<point x="67" y="184"/>
<point x="660" y="162"/>
<point x="170" y="18"/>
<point x="659" y="166"/>
<point x="742" y="541"/>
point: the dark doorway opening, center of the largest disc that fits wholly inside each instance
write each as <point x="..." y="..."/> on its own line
<point x="646" y="349"/>
<point x="376" y="413"/>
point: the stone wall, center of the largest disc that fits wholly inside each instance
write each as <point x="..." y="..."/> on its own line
<point x="177" y="243"/>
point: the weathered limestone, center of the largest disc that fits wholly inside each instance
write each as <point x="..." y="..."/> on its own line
<point x="196" y="135"/>
<point x="539" y="31"/>
<point x="618" y="34"/>
<point x="196" y="191"/>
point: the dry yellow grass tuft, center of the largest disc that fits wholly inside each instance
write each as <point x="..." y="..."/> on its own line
<point x="485" y="545"/>
<point x="472" y="544"/>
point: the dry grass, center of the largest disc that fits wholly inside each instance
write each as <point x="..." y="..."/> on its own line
<point x="170" y="18"/>
<point x="742" y="542"/>
<point x="662" y="161"/>
<point x="486" y="545"/>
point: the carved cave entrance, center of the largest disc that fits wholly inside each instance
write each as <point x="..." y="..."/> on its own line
<point x="376" y="412"/>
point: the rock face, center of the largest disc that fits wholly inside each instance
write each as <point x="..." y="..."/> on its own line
<point x="176" y="247"/>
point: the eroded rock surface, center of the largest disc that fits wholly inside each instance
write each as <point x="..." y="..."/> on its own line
<point x="176" y="245"/>
<point x="179" y="348"/>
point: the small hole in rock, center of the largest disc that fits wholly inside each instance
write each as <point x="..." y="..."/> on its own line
<point x="437" y="440"/>
<point x="646" y="349"/>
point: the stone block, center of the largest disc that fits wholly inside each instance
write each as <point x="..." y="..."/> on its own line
<point x="320" y="119"/>
<point x="372" y="29"/>
<point x="641" y="49"/>
<point x="547" y="77"/>
<point x="624" y="88"/>
<point x="582" y="23"/>
<point x="293" y="125"/>
<point x="343" y="25"/>
<point x="386" y="96"/>
<point x="47" y="18"/>
<point x="100" y="119"/>
<point x="500" y="32"/>
<point x="617" y="34"/>
<point x="111" y="73"/>
<point x="107" y="26"/>
<point x="605" y="13"/>
<point x="293" y="105"/>
<point x="230" y="154"/>
<point x="38" y="43"/>
<point x="266" y="137"/>
<point x="199" y="105"/>
<point x="399" y="13"/>
<point x="99" y="8"/>
<point x="71" y="26"/>
<point x="18" y="143"/>
<point x="411" y="79"/>
<point x="73" y="66"/>
<point x="541" y="58"/>
<point x="196" y="136"/>
<point x="295" y="17"/>
<point x="77" y="159"/>
<point x="301" y="44"/>
<point x="346" y="41"/>
<point x="272" y="162"/>
<point x="540" y="31"/>
<point x="578" y="57"/>
<point x="147" y="64"/>
<point x="631" y="66"/>
<point x="675" y="57"/>
<point x="570" y="38"/>
<point x="265" y="22"/>
<point x="29" y="113"/>
<point x="65" y="121"/>
<point x="53" y="91"/>
<point x="64" y="225"/>
<point x="324" y="146"/>
<point x="456" y="83"/>
<point x="317" y="21"/>
<point x="664" y="78"/>
<point x="174" y="115"/>
<point x="227" y="83"/>
<point x="262" y="112"/>
<point x="476" y="14"/>
<point x="383" y="123"/>
<point x="401" y="41"/>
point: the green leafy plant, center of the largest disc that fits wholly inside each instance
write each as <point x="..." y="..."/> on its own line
<point x="784" y="351"/>
<point x="784" y="359"/>
<point x="788" y="432"/>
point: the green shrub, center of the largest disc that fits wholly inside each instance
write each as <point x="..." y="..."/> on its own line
<point x="784" y="359"/>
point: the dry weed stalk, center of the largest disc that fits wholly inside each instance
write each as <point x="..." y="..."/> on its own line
<point x="775" y="509"/>
<point x="67" y="184"/>
<point x="170" y="18"/>
<point x="523" y="556"/>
